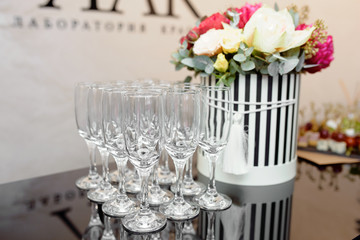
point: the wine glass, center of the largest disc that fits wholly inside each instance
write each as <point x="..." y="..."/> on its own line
<point x="105" y="191"/>
<point x="143" y="119"/>
<point x="112" y="119"/>
<point x="157" y="195"/>
<point x="92" y="180"/>
<point x="190" y="187"/>
<point x="181" y="128"/>
<point x="216" y="113"/>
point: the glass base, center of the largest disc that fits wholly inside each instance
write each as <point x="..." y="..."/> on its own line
<point x="213" y="201"/>
<point x="158" y="196"/>
<point x="96" y="221"/>
<point x="166" y="177"/>
<point x="188" y="228"/>
<point x="88" y="182"/>
<point x="119" y="207"/>
<point x="114" y="175"/>
<point x="144" y="222"/>
<point x="133" y="185"/>
<point x="93" y="232"/>
<point x="190" y="188"/>
<point x="108" y="236"/>
<point x="179" y="210"/>
<point x="105" y="192"/>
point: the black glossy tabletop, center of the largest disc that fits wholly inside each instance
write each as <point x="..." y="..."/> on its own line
<point x="322" y="202"/>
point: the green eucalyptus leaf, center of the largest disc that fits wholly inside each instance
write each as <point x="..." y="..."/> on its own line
<point x="184" y="52"/>
<point x="264" y="70"/>
<point x="243" y="46"/>
<point x="176" y="56"/>
<point x="277" y="55"/>
<point x="184" y="45"/>
<point x="203" y="74"/>
<point x="273" y="68"/>
<point x="235" y="20"/>
<point x="288" y="66"/>
<point x="209" y="68"/>
<point x="188" y="79"/>
<point x="293" y="53"/>
<point x="231" y="79"/>
<point x="201" y="62"/>
<point x="179" y="66"/>
<point x="247" y="66"/>
<point x="189" y="62"/>
<point x="239" y="57"/>
<point x="311" y="65"/>
<point x="276" y="7"/>
<point x="198" y="22"/>
<point x="295" y="17"/>
<point x="249" y="51"/>
<point x="271" y="58"/>
<point x="300" y="65"/>
<point x="234" y="65"/>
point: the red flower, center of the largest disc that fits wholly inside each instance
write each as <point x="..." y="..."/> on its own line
<point x="246" y="12"/>
<point x="323" y="57"/>
<point x="214" y="21"/>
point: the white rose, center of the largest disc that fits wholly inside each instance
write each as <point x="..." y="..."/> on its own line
<point x="209" y="43"/>
<point x="270" y="31"/>
<point x="215" y="40"/>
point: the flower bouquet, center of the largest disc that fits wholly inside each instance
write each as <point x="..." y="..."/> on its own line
<point x="255" y="39"/>
<point x="259" y="52"/>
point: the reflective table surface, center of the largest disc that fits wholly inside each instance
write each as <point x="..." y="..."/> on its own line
<point x="322" y="202"/>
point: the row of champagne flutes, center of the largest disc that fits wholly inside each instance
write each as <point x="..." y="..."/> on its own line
<point x="139" y="121"/>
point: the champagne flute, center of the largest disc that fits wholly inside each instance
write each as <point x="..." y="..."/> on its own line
<point x="143" y="119"/>
<point x="216" y="113"/>
<point x="92" y="180"/>
<point x="112" y="117"/>
<point x="105" y="191"/>
<point x="181" y="127"/>
<point x="190" y="187"/>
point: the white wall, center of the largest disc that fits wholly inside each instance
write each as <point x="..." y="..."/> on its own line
<point x="40" y="65"/>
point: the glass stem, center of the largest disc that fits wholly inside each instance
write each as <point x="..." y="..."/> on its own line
<point x="210" y="235"/>
<point x="108" y="230"/>
<point x="92" y="170"/>
<point x="122" y="231"/>
<point x="121" y="166"/>
<point x="105" y="164"/>
<point x="94" y="218"/>
<point x="188" y="177"/>
<point x="155" y="182"/>
<point x="144" y="175"/>
<point x="179" y="168"/>
<point x="165" y="158"/>
<point x="212" y="164"/>
<point x="179" y="230"/>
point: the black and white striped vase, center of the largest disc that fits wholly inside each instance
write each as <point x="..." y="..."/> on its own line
<point x="263" y="138"/>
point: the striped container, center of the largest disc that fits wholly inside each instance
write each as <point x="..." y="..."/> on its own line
<point x="262" y="144"/>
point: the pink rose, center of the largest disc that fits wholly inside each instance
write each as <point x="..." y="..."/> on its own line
<point x="323" y="57"/>
<point x="246" y="12"/>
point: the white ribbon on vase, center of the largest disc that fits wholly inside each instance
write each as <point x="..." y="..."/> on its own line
<point x="235" y="158"/>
